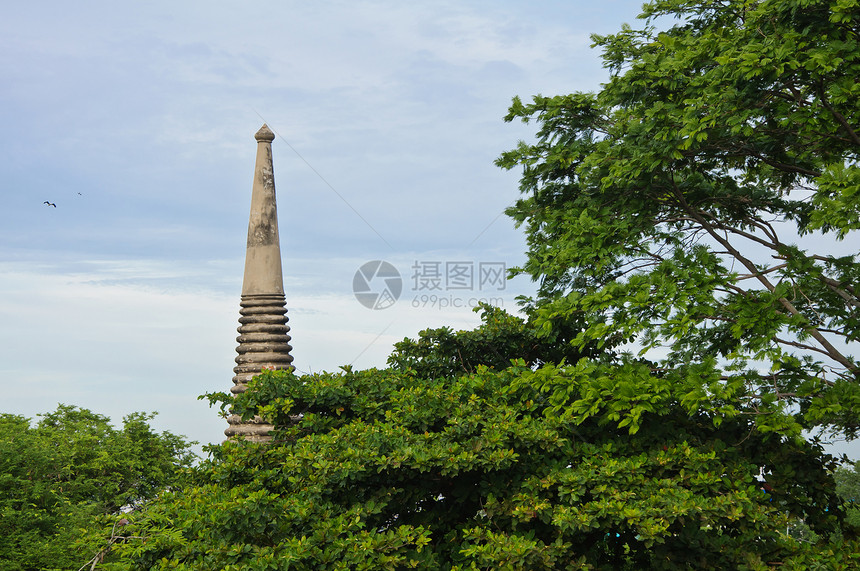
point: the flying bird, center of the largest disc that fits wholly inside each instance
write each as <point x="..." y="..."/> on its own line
<point x="50" y="204"/>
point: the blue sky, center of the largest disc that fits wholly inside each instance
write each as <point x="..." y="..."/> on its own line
<point x="137" y="121"/>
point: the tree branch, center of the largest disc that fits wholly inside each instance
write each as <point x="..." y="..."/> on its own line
<point x="742" y="277"/>
<point x="840" y="118"/>
<point x="828" y="347"/>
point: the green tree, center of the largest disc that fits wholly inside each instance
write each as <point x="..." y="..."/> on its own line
<point x="492" y="466"/>
<point x="443" y="352"/>
<point x="693" y="205"/>
<point x="66" y="478"/>
<point x="848" y="488"/>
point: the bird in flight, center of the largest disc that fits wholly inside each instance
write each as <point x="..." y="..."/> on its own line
<point x="50" y="204"/>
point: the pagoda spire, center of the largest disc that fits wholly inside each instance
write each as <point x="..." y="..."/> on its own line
<point x="264" y="340"/>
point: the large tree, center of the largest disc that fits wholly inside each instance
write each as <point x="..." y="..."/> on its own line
<point x="460" y="457"/>
<point x="65" y="479"/>
<point x="695" y="204"/>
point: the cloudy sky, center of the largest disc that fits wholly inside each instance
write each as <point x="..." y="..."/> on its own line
<point x="137" y="121"/>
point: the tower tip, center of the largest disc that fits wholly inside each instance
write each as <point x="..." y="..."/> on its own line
<point x="264" y="134"/>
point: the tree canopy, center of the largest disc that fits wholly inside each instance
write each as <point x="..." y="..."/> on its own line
<point x="848" y="488"/>
<point x="61" y="478"/>
<point x="695" y="203"/>
<point x="491" y="467"/>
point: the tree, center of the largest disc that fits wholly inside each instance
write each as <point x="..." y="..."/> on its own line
<point x="68" y="477"/>
<point x="491" y="465"/>
<point x="443" y="352"/>
<point x="694" y="203"/>
<point x="848" y="488"/>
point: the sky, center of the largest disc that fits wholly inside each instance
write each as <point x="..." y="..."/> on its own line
<point x="137" y="121"/>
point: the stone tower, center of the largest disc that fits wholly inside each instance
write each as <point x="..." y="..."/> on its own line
<point x="264" y="340"/>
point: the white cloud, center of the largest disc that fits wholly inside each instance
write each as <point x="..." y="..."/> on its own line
<point x="100" y="341"/>
<point x="119" y="336"/>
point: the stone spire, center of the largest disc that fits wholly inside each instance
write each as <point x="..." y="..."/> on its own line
<point x="264" y="340"/>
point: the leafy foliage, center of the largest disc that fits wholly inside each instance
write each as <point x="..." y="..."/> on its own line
<point x="848" y="488"/>
<point x="675" y="206"/>
<point x="443" y="352"/>
<point x="63" y="477"/>
<point x="569" y="466"/>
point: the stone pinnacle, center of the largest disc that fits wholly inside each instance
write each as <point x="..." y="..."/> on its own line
<point x="264" y="340"/>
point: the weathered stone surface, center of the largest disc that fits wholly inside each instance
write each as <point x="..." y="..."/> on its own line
<point x="263" y="274"/>
<point x="264" y="340"/>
